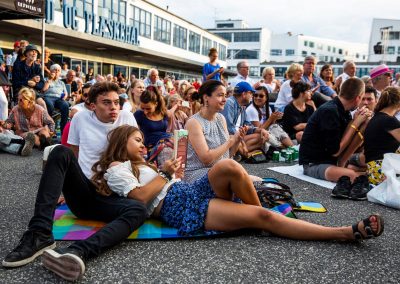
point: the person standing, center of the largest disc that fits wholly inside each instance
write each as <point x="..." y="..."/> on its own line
<point x="212" y="70"/>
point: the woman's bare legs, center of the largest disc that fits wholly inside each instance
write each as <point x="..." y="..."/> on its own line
<point x="227" y="177"/>
<point x="223" y="215"/>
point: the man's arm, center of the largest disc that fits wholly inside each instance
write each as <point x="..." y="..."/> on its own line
<point x="75" y="149"/>
<point x="228" y="113"/>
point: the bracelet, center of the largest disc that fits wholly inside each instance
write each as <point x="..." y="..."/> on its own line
<point x="165" y="176"/>
<point x="361" y="136"/>
<point x="355" y="128"/>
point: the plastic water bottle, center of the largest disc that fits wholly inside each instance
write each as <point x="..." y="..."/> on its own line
<point x="58" y="130"/>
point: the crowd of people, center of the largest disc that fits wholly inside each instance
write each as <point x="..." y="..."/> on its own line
<point x="115" y="162"/>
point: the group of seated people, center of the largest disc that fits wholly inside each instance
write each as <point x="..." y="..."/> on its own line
<point x="104" y="176"/>
<point x="115" y="165"/>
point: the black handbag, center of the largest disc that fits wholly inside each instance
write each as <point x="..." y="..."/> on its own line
<point x="272" y="194"/>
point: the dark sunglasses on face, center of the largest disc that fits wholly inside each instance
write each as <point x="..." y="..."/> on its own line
<point x="258" y="96"/>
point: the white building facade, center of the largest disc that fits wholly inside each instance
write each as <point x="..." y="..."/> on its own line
<point x="252" y="44"/>
<point x="130" y="36"/>
<point x="384" y="43"/>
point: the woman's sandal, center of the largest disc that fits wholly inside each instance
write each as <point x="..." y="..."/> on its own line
<point x="358" y="236"/>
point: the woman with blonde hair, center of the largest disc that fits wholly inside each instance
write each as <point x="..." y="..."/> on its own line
<point x="29" y="117"/>
<point x="382" y="134"/>
<point x="134" y="92"/>
<point x="294" y="72"/>
<point x="273" y="85"/>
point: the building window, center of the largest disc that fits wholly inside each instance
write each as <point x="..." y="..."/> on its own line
<point x="340" y="51"/>
<point x="280" y="71"/>
<point x="222" y="52"/>
<point x="194" y="42"/>
<point x="390" y="50"/>
<point x="276" y="52"/>
<point x="226" y="36"/>
<point x="311" y="44"/>
<point x="162" y="30"/>
<point x="320" y="46"/>
<point x="289" y="52"/>
<point x="225" y="25"/>
<point x="243" y="54"/>
<point x="357" y="55"/>
<point x="313" y="54"/>
<point x="392" y="35"/>
<point x="254" y="71"/>
<point x="334" y="50"/>
<point x="115" y="11"/>
<point x="122" y="12"/>
<point x="215" y="44"/>
<point x="398" y="50"/>
<point x="180" y="37"/>
<point x="329" y="48"/>
<point x="246" y="36"/>
<point x="79" y="8"/>
<point x="304" y="53"/>
<point x="365" y="56"/>
<point x="105" y="8"/>
<point x="207" y="44"/>
<point x="141" y="21"/>
<point x="306" y="43"/>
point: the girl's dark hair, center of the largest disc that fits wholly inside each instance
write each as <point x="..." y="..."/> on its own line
<point x="298" y="88"/>
<point x="212" y="50"/>
<point x="326" y="66"/>
<point x="266" y="105"/>
<point x="101" y="88"/>
<point x="208" y="88"/>
<point x="152" y="94"/>
<point x="389" y="97"/>
<point x="115" y="151"/>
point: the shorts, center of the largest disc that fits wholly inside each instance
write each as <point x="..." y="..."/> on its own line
<point x="277" y="131"/>
<point x="316" y="170"/>
<point x="186" y="204"/>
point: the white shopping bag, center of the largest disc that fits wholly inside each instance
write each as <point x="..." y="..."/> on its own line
<point x="388" y="192"/>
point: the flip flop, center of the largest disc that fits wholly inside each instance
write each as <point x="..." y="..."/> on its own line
<point x="358" y="236"/>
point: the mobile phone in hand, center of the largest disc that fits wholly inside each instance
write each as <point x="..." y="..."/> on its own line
<point x="185" y="104"/>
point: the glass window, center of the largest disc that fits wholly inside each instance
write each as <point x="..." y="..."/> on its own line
<point x="398" y="50"/>
<point x="391" y="49"/>
<point x="141" y="21"/>
<point x="122" y="12"/>
<point x="313" y="54"/>
<point x="254" y="71"/>
<point x="245" y="54"/>
<point x="311" y="44"/>
<point x="320" y="46"/>
<point x="222" y="52"/>
<point x="135" y="71"/>
<point x="391" y="36"/>
<point x="246" y="36"/>
<point x="276" y="52"/>
<point x="280" y="71"/>
<point x="89" y="6"/>
<point x="306" y="43"/>
<point x="340" y="51"/>
<point x="162" y="30"/>
<point x="334" y="50"/>
<point x="207" y="44"/>
<point x="194" y="42"/>
<point x="226" y="36"/>
<point x="329" y="48"/>
<point x="225" y="25"/>
<point x="104" y="8"/>
<point x="289" y="52"/>
<point x="79" y="8"/>
<point x="180" y="37"/>
<point x="304" y="53"/>
<point x="115" y="10"/>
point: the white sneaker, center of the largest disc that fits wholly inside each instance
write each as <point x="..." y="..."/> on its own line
<point x="65" y="262"/>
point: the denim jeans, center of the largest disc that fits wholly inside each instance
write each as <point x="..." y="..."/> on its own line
<point x="6" y="144"/>
<point x="63" y="106"/>
<point x="62" y="173"/>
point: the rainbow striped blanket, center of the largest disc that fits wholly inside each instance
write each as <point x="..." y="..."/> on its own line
<point x="67" y="227"/>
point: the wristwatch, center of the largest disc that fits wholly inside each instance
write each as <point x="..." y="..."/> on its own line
<point x="165" y="176"/>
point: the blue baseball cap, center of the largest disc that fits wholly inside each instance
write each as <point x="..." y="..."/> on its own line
<point x="243" y="87"/>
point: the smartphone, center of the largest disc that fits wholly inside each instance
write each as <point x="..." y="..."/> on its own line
<point x="185" y="104"/>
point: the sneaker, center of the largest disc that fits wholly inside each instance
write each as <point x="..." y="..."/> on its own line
<point x="65" y="262"/>
<point x="28" y="146"/>
<point x="360" y="188"/>
<point x="342" y="188"/>
<point x="31" y="245"/>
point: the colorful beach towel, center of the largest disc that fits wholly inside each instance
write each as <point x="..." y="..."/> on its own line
<point x="310" y="206"/>
<point x="67" y="227"/>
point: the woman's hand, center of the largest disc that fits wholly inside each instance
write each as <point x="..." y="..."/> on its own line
<point x="172" y="165"/>
<point x="361" y="115"/>
<point x="276" y="116"/>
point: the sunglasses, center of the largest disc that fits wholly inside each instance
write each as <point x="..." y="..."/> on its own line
<point x="258" y="96"/>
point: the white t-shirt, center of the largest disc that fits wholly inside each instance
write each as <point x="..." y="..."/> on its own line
<point x="121" y="180"/>
<point x="284" y="96"/>
<point x="252" y="114"/>
<point x="127" y="107"/>
<point x="239" y="78"/>
<point x="80" y="107"/>
<point x="90" y="134"/>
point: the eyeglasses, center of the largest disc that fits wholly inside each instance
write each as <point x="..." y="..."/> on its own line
<point x="244" y="67"/>
<point x="258" y="96"/>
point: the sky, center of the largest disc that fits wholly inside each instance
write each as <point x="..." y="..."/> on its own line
<point x="348" y="20"/>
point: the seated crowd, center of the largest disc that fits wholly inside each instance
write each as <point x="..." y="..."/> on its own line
<point x="116" y="167"/>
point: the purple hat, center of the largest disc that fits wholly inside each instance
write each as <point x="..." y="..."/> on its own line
<point x="243" y="87"/>
<point x="379" y="70"/>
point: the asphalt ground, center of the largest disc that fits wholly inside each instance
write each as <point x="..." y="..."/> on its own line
<point x="248" y="257"/>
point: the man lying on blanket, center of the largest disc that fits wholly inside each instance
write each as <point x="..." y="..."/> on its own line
<point x="331" y="137"/>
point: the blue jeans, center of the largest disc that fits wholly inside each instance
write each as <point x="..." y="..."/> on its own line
<point x="63" y="106"/>
<point x="62" y="173"/>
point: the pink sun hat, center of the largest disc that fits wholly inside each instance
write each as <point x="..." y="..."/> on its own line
<point x="379" y="70"/>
